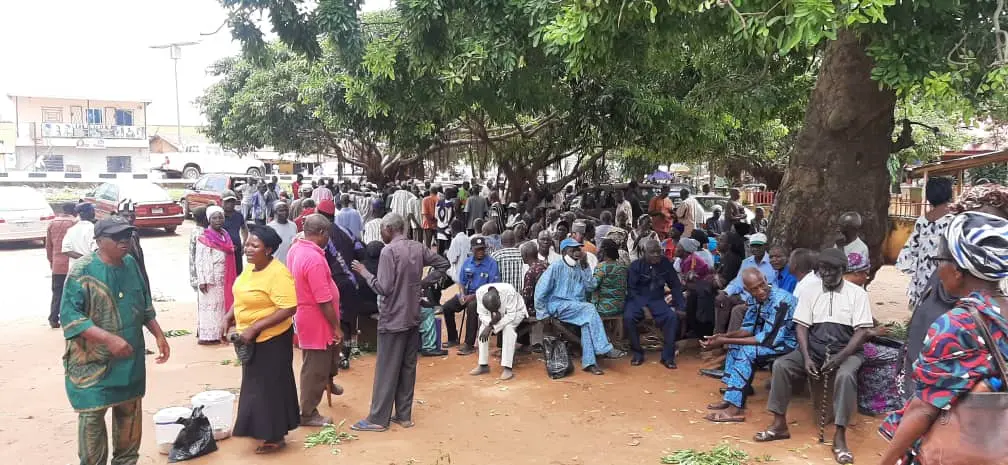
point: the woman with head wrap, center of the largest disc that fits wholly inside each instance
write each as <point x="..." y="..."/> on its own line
<point x="692" y="268"/>
<point x="215" y="271"/>
<point x="264" y="302"/>
<point x="934" y="300"/>
<point x="611" y="275"/>
<point x="972" y="259"/>
<point x="199" y="216"/>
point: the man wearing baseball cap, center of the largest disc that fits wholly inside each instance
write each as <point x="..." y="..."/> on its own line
<point x="561" y="293"/>
<point x="105" y="307"/>
<point x="477" y="270"/>
<point x="234" y="224"/>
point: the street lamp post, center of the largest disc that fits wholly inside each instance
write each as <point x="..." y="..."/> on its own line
<point x="175" y="53"/>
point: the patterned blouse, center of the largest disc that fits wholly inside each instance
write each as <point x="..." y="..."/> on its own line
<point x="954" y="359"/>
<point x="532" y="275"/>
<point x="914" y="259"/>
<point x="610" y="295"/>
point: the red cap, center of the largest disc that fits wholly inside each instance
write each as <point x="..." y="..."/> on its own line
<point x="327" y="206"/>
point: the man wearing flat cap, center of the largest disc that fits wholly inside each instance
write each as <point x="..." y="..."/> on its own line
<point x="479" y="269"/>
<point x="832" y="321"/>
<point x="561" y="294"/>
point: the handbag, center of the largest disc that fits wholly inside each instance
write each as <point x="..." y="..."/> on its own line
<point x="970" y="433"/>
<point x="244" y="352"/>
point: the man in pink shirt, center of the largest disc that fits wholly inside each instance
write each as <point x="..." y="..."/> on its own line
<point x="317" y="319"/>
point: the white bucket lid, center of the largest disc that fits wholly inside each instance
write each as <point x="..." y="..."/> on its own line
<point x="167" y="416"/>
<point x="212" y="397"/>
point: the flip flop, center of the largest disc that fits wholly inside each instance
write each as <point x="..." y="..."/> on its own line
<point x="843" y="456"/>
<point x="363" y="425"/>
<point x="768" y="435"/>
<point x="403" y="423"/>
<point x="718" y="406"/>
<point x="722" y="417"/>
<point x="270" y="447"/>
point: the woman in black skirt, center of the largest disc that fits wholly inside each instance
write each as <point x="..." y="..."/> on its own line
<point x="264" y="302"/>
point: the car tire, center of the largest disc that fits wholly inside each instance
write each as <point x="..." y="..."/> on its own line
<point x="254" y="172"/>
<point x="191" y="172"/>
<point x="170" y="229"/>
<point x="185" y="209"/>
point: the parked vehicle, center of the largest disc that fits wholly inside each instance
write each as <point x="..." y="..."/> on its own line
<point x="154" y="207"/>
<point x="708" y="202"/>
<point x="208" y="190"/>
<point x="197" y="160"/>
<point x="24" y="214"/>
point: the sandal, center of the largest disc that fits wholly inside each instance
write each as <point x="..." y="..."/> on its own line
<point x="403" y="423"/>
<point x="769" y="435"/>
<point x="718" y="406"/>
<point x="843" y="456"/>
<point x="363" y="425"/>
<point x="270" y="447"/>
<point x="723" y="417"/>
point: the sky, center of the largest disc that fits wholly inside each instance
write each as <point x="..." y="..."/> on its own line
<point x="101" y="49"/>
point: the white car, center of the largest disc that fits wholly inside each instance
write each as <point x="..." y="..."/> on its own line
<point x="707" y="203"/>
<point x="24" y="214"/>
<point x="197" y="160"/>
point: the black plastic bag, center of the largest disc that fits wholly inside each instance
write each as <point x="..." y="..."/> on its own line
<point x="558" y="362"/>
<point x="195" y="440"/>
<point x="243" y="351"/>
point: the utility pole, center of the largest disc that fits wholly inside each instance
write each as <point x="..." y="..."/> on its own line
<point x="175" y="53"/>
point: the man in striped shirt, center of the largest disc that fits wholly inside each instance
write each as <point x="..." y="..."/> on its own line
<point x="509" y="260"/>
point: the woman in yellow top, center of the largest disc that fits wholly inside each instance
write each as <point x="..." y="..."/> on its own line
<point x="264" y="302"/>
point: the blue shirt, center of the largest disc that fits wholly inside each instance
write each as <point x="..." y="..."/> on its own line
<point x="350" y="220"/>
<point x="477" y="273"/>
<point x="771" y="321"/>
<point x="712" y="247"/>
<point x="562" y="282"/>
<point x="646" y="281"/>
<point x="786" y="280"/>
<point x="735" y="287"/>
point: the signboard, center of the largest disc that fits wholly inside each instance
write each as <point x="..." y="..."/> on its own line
<point x="91" y="143"/>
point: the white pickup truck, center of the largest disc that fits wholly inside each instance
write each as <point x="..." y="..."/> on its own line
<point x="199" y="159"/>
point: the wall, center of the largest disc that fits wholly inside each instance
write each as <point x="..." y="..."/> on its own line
<point x="900" y="229"/>
<point x="85" y="160"/>
<point x="29" y="109"/>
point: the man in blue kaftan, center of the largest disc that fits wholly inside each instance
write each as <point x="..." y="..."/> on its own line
<point x="767" y="332"/>
<point x="648" y="278"/>
<point x="562" y="294"/>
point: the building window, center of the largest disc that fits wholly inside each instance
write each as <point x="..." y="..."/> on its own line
<point x="94" y="116"/>
<point x="120" y="164"/>
<point x="54" y="163"/>
<point x="124" y="117"/>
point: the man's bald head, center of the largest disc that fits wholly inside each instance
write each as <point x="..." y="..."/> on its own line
<point x="491" y="300"/>
<point x="317" y="229"/>
<point x="755" y="284"/>
<point x="752" y="275"/>
<point x="508" y="238"/>
<point x="652" y="251"/>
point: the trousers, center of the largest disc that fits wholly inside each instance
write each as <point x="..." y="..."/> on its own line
<point x="453" y="306"/>
<point x="740" y="366"/>
<point x="728" y="314"/>
<point x="664" y="317"/>
<point x="593" y="337"/>
<point x="510" y="338"/>
<point x="92" y="434"/>
<point x="57" y="297"/>
<point x="395" y="376"/>
<point x="428" y="330"/>
<point x="316" y="372"/>
<point x="790" y="369"/>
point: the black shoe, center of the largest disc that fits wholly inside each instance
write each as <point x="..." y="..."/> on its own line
<point x="594" y="369"/>
<point x="716" y="374"/>
<point x="637" y="360"/>
<point x="748" y="391"/>
<point x="670" y="364"/>
<point x="466" y="349"/>
<point x="449" y="344"/>
<point x="434" y="353"/>
<point x="344" y="364"/>
<point x="54" y="324"/>
<point x="537" y="348"/>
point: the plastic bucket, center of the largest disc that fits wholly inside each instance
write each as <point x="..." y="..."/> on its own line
<point x="165" y="427"/>
<point x="218" y="406"/>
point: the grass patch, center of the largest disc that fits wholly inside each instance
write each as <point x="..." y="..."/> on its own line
<point x="329" y="435"/>
<point x="723" y="454"/>
<point x="177" y="332"/>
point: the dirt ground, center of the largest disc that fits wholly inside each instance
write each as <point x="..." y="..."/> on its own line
<point x="632" y="415"/>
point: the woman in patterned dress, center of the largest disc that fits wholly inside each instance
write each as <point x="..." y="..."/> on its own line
<point x="955" y="360"/>
<point x="215" y="275"/>
<point x="199" y="216"/>
<point x="611" y="275"/>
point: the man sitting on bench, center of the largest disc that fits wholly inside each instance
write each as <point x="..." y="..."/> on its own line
<point x="648" y="277"/>
<point x="561" y="294"/>
<point x="501" y="309"/>
<point x="767" y="332"/>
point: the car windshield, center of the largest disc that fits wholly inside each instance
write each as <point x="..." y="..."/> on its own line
<point x="709" y="203"/>
<point x="144" y="192"/>
<point x="20" y="198"/>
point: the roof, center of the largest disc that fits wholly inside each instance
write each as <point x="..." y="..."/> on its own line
<point x="959" y="164"/>
<point x="116" y="98"/>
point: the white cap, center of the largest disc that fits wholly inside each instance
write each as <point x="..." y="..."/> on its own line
<point x="758" y="239"/>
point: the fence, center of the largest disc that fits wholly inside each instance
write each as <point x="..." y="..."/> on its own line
<point x="905" y="206"/>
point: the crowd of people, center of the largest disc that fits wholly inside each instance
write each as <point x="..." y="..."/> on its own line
<point x="314" y="267"/>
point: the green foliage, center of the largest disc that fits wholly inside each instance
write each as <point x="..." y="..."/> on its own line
<point x="722" y="454"/>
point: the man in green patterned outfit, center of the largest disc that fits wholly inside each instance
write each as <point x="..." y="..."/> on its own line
<point x="105" y="307"/>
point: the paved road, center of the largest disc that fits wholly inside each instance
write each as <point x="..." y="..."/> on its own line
<point x="26" y="277"/>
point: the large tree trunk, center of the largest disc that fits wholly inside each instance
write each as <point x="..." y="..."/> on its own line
<point x="838" y="163"/>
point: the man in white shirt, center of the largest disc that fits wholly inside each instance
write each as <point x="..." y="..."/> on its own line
<point x="624" y="206"/>
<point x="832" y="321"/>
<point x="285" y="228"/>
<point x="458" y="250"/>
<point x="849" y="226"/>
<point x="79" y="239"/>
<point x="802" y="264"/>
<point x="501" y="309"/>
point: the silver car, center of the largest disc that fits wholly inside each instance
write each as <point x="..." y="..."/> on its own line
<point x="24" y="214"/>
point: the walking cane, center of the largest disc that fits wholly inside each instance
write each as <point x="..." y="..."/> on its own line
<point x="827" y="379"/>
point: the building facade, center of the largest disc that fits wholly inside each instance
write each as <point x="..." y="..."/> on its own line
<point x="80" y="135"/>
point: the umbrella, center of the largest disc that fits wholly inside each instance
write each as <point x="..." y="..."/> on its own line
<point x="660" y="175"/>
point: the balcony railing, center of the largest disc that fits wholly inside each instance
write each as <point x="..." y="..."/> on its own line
<point x="91" y="131"/>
